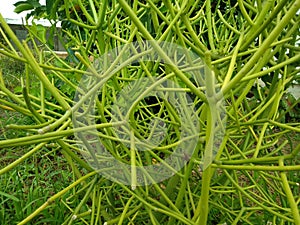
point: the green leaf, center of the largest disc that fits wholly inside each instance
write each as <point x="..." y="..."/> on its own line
<point x="49" y="6"/>
<point x="21" y="2"/>
<point x="23" y="7"/>
<point x="18" y="89"/>
<point x="34" y="3"/>
<point x="39" y="31"/>
<point x="9" y="196"/>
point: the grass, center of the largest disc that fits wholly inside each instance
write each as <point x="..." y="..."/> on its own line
<point x="31" y="183"/>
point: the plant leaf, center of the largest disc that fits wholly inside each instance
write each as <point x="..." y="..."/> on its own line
<point x="9" y="196"/>
<point x="23" y="7"/>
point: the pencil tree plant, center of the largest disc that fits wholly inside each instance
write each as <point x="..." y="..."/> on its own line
<point x="252" y="50"/>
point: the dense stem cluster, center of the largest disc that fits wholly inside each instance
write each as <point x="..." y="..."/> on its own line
<point x="252" y="177"/>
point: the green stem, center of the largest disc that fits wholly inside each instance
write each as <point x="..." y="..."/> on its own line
<point x="202" y="210"/>
<point x="289" y="194"/>
<point x="244" y="12"/>
<point x="262" y="49"/>
<point x="34" y="139"/>
<point x="258" y="29"/>
<point x="87" y="195"/>
<point x="209" y="25"/>
<point x="34" y="65"/>
<point x="21" y="159"/>
<point x="56" y="196"/>
<point x="258" y="167"/>
<point x="160" y="51"/>
<point x="35" y="114"/>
